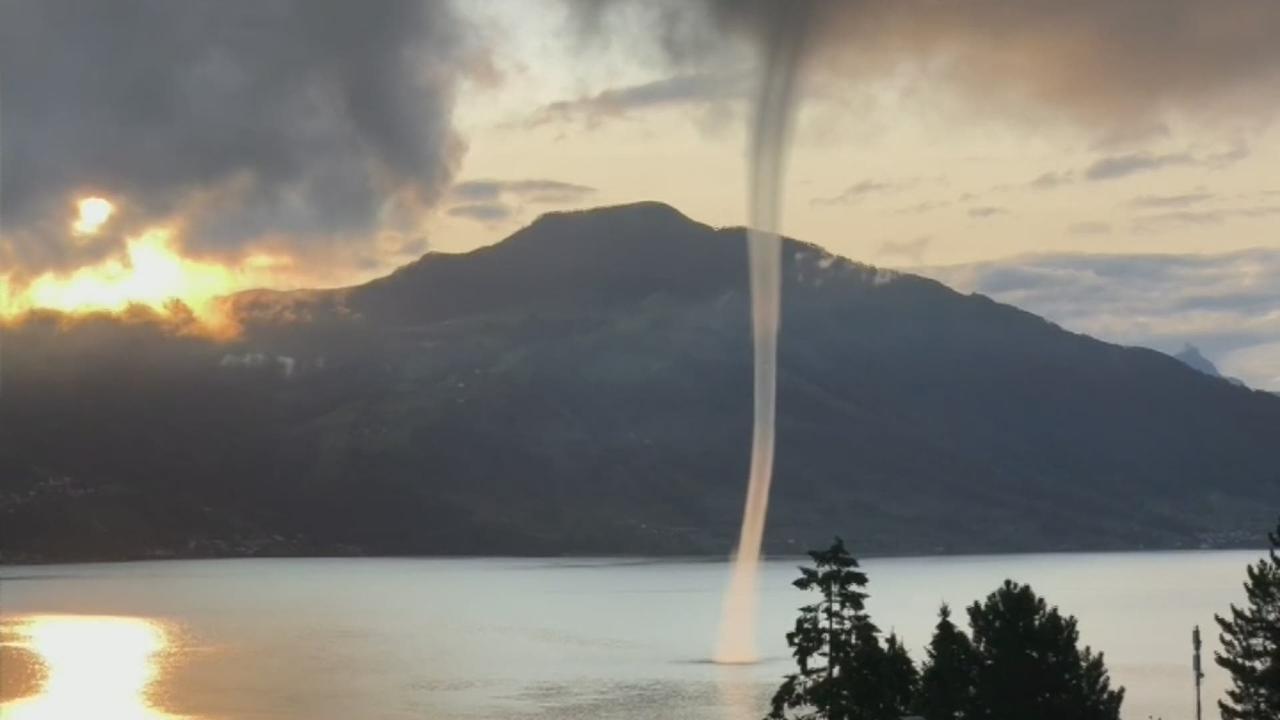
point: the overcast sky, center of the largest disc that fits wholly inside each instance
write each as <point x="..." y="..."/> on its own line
<point x="350" y="137"/>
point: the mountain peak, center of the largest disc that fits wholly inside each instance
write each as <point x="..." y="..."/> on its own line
<point x="641" y="222"/>
<point x="1191" y="356"/>
<point x="644" y="210"/>
<point x="594" y="257"/>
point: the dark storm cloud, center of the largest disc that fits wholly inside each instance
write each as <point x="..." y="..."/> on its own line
<point x="309" y="121"/>
<point x="1117" y="65"/>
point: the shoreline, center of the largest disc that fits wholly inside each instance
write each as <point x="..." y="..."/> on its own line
<point x="586" y="560"/>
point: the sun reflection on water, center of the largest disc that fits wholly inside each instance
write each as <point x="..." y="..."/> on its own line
<point x="94" y="667"/>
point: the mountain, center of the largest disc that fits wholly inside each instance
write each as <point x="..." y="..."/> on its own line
<point x="1191" y="356"/>
<point x="584" y="386"/>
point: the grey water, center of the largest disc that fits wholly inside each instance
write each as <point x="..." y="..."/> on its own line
<point x="521" y="639"/>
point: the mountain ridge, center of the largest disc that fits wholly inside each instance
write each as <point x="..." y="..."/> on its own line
<point x="584" y="387"/>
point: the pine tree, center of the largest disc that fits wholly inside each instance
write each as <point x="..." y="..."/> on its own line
<point x="899" y="678"/>
<point x="1251" y="644"/>
<point x="876" y="681"/>
<point x="843" y="671"/>
<point x="1029" y="666"/>
<point x="946" y="681"/>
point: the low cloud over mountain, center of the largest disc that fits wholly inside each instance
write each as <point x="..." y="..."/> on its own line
<point x="1228" y="305"/>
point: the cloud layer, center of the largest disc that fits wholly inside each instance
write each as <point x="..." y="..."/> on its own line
<point x="492" y="201"/>
<point x="1118" y="65"/>
<point x="308" y="123"/>
<point x="1228" y="305"/>
<point x="678" y="90"/>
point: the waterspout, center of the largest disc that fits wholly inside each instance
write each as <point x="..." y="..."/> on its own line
<point x="770" y="133"/>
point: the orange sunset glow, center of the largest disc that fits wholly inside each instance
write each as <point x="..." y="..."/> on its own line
<point x="151" y="272"/>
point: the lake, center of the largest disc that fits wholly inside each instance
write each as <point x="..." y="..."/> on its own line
<point x="518" y="639"/>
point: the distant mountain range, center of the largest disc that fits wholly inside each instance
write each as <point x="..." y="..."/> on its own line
<point x="584" y="386"/>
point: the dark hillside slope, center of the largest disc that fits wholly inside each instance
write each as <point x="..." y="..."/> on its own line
<point x="584" y="387"/>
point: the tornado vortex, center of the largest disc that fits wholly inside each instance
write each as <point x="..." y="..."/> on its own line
<point x="773" y="112"/>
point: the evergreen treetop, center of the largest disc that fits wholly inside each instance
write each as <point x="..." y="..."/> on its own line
<point x="1250" y="639"/>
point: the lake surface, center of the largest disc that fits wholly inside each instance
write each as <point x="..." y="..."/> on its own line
<point x="506" y="639"/>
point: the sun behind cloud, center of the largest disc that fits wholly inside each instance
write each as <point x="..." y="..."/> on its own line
<point x="92" y="214"/>
<point x="151" y="272"/>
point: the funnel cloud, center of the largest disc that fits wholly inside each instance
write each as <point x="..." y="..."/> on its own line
<point x="773" y="113"/>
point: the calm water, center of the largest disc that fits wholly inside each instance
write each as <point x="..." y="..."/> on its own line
<point x="499" y="639"/>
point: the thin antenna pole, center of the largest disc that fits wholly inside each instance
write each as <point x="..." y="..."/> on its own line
<point x="1195" y="666"/>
